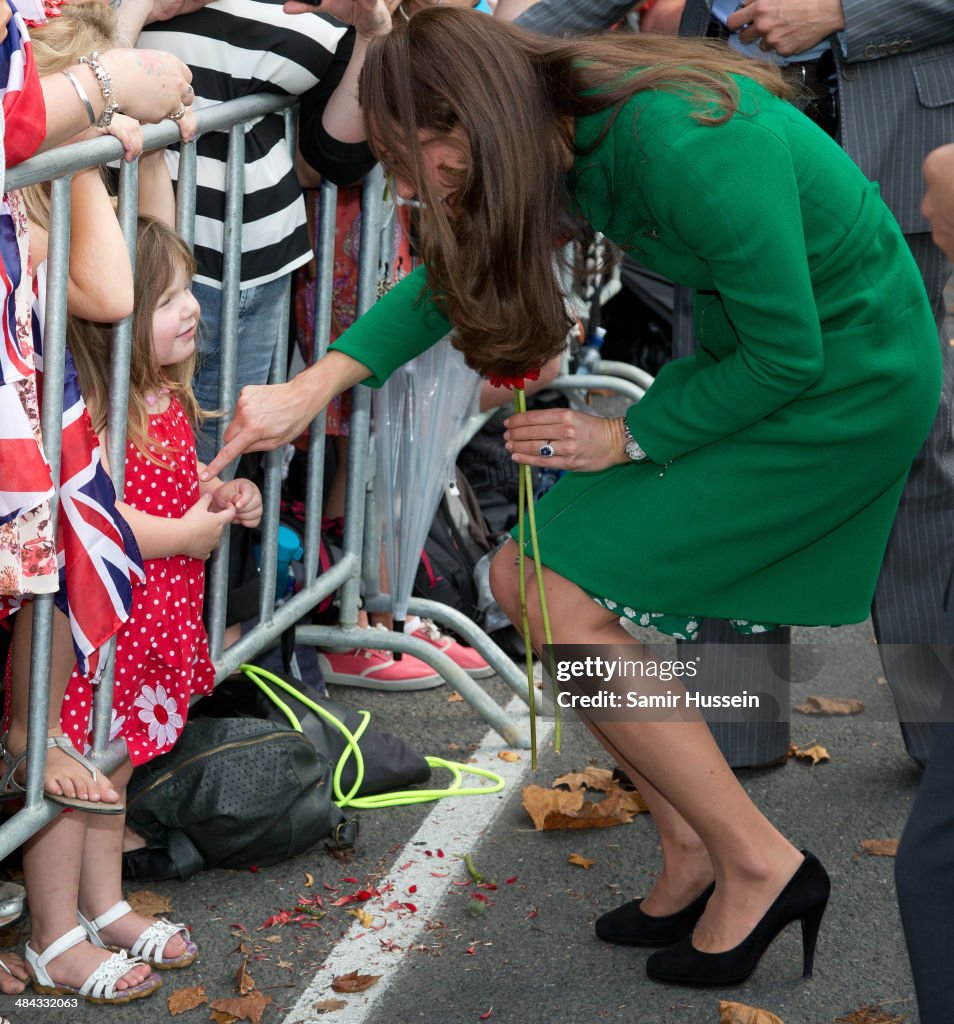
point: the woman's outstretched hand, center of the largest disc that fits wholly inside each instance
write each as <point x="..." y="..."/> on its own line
<point x="270" y="415"/>
<point x="577" y="440"/>
<point x="266" y="417"/>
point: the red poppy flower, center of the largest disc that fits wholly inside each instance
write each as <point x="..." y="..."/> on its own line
<point x="513" y="382"/>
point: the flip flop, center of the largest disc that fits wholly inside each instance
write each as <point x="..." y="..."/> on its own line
<point x="9" y="787"/>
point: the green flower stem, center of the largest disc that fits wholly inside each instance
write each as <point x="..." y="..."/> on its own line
<point x="522" y="584"/>
<point x="520" y="404"/>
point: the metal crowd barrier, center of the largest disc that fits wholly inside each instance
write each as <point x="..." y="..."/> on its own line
<point x="359" y="560"/>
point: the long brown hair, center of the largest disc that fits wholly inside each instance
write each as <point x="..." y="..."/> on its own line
<point x="509" y="99"/>
<point x="160" y="253"/>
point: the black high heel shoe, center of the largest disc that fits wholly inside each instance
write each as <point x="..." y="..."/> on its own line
<point x="803" y="899"/>
<point x="629" y="926"/>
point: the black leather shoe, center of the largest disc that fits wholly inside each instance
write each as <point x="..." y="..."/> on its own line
<point x="629" y="926"/>
<point x="803" y="899"/>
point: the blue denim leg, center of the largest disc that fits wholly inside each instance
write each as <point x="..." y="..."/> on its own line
<point x="259" y="334"/>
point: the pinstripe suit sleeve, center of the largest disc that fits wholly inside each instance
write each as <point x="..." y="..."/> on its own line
<point x="914" y="24"/>
<point x="569" y="17"/>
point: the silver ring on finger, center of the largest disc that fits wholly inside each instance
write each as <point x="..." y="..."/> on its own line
<point x="547" y="451"/>
<point x="177" y="115"/>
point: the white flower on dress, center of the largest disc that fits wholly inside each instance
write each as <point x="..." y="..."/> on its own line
<point x="115" y="726"/>
<point x="159" y="710"/>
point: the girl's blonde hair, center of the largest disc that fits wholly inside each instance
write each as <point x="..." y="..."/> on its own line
<point x="58" y="45"/>
<point x="160" y="253"/>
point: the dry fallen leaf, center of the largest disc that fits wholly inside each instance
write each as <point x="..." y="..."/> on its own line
<point x="363" y="916"/>
<point x="739" y="1013"/>
<point x="250" y="1007"/>
<point x="508" y="755"/>
<point x="589" y="778"/>
<point x="244" y="980"/>
<point x="354" y="982"/>
<point x="309" y="880"/>
<point x="881" y="847"/>
<point x="185" y="999"/>
<point x="221" y="1017"/>
<point x="149" y="904"/>
<point x="330" y="1005"/>
<point x="815" y="753"/>
<point x="580" y="861"/>
<point x="273" y="938"/>
<point x="816" y="705"/>
<point x="557" y="808"/>
<point x="454" y="697"/>
<point x="869" y="1015"/>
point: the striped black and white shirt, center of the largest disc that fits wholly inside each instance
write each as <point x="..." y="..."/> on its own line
<point x="241" y="48"/>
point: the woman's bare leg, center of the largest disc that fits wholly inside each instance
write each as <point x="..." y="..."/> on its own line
<point x="63" y="775"/>
<point x="751" y="860"/>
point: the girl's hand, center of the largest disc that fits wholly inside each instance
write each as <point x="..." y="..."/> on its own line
<point x="243" y="496"/>
<point x="129" y="132"/>
<point x="204" y="527"/>
<point x="579" y="441"/>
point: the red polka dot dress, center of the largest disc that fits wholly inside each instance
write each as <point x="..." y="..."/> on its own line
<point x="162" y="652"/>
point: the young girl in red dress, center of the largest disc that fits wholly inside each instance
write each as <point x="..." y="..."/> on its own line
<point x="162" y="653"/>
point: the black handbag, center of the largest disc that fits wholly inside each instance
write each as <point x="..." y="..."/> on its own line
<point x="232" y="793"/>
<point x="387" y="762"/>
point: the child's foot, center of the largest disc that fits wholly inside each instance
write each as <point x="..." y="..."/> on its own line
<point x="160" y="943"/>
<point x="69" y="778"/>
<point x="13" y="974"/>
<point x="73" y="967"/>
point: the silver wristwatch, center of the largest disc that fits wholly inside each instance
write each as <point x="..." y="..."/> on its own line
<point x="632" y="449"/>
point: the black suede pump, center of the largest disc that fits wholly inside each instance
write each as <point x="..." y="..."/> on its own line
<point x="803" y="899"/>
<point x="629" y="926"/>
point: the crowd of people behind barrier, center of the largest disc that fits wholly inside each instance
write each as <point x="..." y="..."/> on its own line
<point x="499" y="138"/>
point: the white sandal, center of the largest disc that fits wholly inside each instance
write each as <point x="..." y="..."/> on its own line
<point x="150" y="945"/>
<point x="9" y="786"/>
<point x="100" y="986"/>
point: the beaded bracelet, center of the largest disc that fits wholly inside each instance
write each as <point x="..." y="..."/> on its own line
<point x="105" y="83"/>
<point x="84" y="99"/>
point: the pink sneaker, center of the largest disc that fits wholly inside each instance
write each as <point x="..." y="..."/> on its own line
<point x="468" y="659"/>
<point x="377" y="670"/>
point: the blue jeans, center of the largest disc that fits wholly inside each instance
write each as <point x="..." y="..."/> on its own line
<point x="259" y="335"/>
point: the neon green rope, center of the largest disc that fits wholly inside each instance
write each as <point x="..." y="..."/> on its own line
<point x="396" y="799"/>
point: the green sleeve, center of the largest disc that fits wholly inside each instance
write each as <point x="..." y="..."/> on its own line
<point x="729" y="195"/>
<point x="395" y="329"/>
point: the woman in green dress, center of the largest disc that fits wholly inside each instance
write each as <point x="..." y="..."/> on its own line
<point x="756" y="481"/>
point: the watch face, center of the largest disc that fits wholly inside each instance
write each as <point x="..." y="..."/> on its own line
<point x="634" y="452"/>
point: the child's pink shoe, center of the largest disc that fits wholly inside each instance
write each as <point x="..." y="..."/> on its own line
<point x="468" y="659"/>
<point x="377" y="670"/>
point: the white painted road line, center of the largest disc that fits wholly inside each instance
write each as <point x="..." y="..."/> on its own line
<point x="455" y="825"/>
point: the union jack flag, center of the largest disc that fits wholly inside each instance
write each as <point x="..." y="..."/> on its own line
<point x="97" y="555"/>
<point x="26" y="481"/>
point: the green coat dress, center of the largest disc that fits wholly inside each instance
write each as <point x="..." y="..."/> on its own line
<point x="779" y="451"/>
